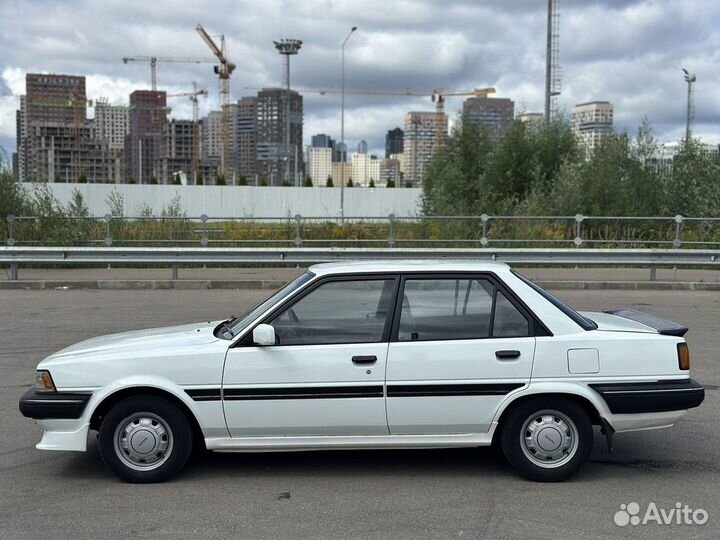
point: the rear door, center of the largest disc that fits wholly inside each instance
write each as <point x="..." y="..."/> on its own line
<point x="460" y="344"/>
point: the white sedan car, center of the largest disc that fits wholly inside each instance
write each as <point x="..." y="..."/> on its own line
<point x="372" y="355"/>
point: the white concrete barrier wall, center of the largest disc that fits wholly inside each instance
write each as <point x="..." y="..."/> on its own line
<point x="245" y="201"/>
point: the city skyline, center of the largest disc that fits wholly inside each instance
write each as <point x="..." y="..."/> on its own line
<point x="431" y="46"/>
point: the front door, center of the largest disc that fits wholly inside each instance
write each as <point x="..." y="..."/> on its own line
<point x="326" y="373"/>
<point x="459" y="347"/>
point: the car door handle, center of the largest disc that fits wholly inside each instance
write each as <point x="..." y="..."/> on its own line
<point x="362" y="360"/>
<point x="504" y="355"/>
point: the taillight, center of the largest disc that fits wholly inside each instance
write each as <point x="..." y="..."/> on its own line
<point x="683" y="356"/>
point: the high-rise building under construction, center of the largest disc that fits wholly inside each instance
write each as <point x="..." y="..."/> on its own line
<point x="56" y="141"/>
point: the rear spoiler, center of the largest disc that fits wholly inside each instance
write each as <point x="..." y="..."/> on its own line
<point x="663" y="326"/>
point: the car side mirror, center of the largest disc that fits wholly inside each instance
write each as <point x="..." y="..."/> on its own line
<point x="264" y="335"/>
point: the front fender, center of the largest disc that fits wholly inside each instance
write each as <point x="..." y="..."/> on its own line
<point x="138" y="381"/>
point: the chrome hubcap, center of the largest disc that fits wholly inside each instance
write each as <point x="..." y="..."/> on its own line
<point x="549" y="438"/>
<point x="143" y="441"/>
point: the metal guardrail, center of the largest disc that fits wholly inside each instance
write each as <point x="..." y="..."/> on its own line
<point x="480" y="231"/>
<point x="175" y="257"/>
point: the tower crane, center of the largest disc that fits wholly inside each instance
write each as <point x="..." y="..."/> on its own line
<point x="437" y="96"/>
<point x="196" y="125"/>
<point x="153" y="60"/>
<point x="223" y="71"/>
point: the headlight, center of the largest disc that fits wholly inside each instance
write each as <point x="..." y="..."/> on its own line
<point x="44" y="382"/>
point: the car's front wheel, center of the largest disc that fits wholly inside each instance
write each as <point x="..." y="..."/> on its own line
<point x="145" y="439"/>
<point x="547" y="440"/>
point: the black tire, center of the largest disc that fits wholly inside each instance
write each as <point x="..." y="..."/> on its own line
<point x="528" y="420"/>
<point x="147" y="419"/>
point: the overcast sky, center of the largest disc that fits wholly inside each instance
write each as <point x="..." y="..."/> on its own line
<point x="628" y="52"/>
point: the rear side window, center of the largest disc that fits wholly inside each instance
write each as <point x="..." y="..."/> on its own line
<point x="583" y="322"/>
<point x="508" y="321"/>
<point x="462" y="308"/>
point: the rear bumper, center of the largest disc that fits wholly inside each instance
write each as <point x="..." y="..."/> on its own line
<point x="53" y="405"/>
<point x="651" y="397"/>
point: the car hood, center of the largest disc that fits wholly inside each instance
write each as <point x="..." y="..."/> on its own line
<point x="614" y="323"/>
<point x="186" y="335"/>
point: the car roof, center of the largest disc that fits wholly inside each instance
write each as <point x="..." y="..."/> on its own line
<point x="399" y="265"/>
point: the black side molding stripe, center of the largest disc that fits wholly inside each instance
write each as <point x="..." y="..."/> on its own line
<point x="339" y="392"/>
<point x="310" y="392"/>
<point x="205" y="394"/>
<point x="426" y="390"/>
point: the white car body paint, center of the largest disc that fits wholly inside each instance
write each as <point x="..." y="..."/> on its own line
<point x="190" y="358"/>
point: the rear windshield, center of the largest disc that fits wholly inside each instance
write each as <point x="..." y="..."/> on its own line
<point x="583" y="322"/>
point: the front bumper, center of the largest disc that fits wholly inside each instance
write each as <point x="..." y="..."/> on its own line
<point x="651" y="397"/>
<point x="53" y="405"/>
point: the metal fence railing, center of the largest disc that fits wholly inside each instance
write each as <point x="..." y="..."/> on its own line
<point x="370" y="231"/>
<point x="195" y="256"/>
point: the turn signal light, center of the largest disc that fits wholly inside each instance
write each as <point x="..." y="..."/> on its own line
<point x="683" y="356"/>
<point x="44" y="382"/>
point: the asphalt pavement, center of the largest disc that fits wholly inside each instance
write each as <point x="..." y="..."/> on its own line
<point x="465" y="493"/>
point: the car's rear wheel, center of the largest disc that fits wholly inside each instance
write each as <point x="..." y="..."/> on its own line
<point x="547" y="440"/>
<point x="145" y="439"/>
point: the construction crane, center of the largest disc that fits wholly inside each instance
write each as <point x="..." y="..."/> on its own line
<point x="223" y="71"/>
<point x="196" y="125"/>
<point x="438" y="95"/>
<point x="153" y="60"/>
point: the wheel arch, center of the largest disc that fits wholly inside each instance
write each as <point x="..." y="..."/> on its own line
<point x="112" y="399"/>
<point x="592" y="409"/>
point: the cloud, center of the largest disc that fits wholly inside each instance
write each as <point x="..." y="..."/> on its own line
<point x="626" y="51"/>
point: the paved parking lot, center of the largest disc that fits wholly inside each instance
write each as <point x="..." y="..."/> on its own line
<point x="380" y="494"/>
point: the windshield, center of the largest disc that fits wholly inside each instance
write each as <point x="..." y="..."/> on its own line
<point x="238" y="324"/>
<point x="584" y="322"/>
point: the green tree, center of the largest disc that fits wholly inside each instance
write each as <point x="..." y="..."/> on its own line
<point x="408" y="184"/>
<point x="77" y="206"/>
<point x="329" y="182"/>
<point x="263" y="182"/>
<point x="199" y="180"/>
<point x="153" y="180"/>
<point x="286" y="183"/>
<point x="13" y="198"/>
<point x="372" y="183"/>
<point x="242" y="181"/>
<point x="349" y="183"/>
<point x="390" y="183"/>
<point x="454" y="180"/>
<point x="694" y="186"/>
<point x="308" y="182"/>
<point x="220" y="180"/>
<point x="176" y="180"/>
<point x="82" y="179"/>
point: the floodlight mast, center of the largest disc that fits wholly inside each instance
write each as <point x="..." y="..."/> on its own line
<point x="288" y="47"/>
<point x="690" y="79"/>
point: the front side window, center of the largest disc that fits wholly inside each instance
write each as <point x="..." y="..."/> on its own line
<point x="462" y="308"/>
<point x="348" y="311"/>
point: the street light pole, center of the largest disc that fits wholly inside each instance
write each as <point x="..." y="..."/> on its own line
<point x="343" y="148"/>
